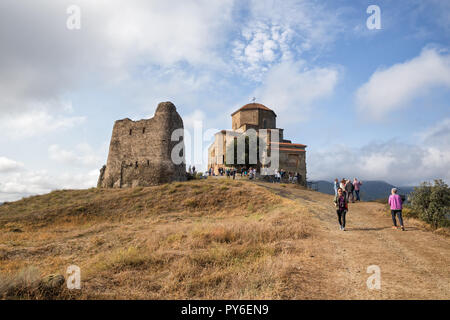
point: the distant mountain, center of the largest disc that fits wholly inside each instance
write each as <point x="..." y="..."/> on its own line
<point x="370" y="190"/>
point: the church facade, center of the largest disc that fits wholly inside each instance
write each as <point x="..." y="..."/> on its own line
<point x="255" y="117"/>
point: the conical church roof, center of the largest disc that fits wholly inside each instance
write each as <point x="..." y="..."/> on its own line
<point x="253" y="106"/>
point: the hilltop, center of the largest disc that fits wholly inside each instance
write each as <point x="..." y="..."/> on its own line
<point x="214" y="239"/>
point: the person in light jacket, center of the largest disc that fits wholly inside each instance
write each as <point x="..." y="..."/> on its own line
<point x="395" y="201"/>
<point x="357" y="184"/>
<point x="336" y="186"/>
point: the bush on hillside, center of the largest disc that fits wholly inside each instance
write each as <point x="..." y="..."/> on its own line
<point x="431" y="203"/>
<point x="199" y="175"/>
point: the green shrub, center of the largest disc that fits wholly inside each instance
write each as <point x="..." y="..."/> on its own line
<point x="431" y="202"/>
<point x="198" y="175"/>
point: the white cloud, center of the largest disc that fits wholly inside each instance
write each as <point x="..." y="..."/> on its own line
<point x="82" y="155"/>
<point x="193" y="119"/>
<point x="36" y="122"/>
<point x="437" y="135"/>
<point x="391" y="161"/>
<point x="165" y="32"/>
<point x="7" y="165"/>
<point x="81" y="171"/>
<point x="182" y="87"/>
<point x="278" y="31"/>
<point x="292" y="89"/>
<point x="16" y="185"/>
<point x="43" y="62"/>
<point x="393" y="88"/>
<point x="264" y="46"/>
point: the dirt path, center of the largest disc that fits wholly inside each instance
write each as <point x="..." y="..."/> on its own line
<point x="414" y="264"/>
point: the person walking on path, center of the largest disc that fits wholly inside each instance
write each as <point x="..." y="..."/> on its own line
<point x="336" y="186"/>
<point x="395" y="201"/>
<point x="349" y="190"/>
<point x="357" y="184"/>
<point x="341" y="203"/>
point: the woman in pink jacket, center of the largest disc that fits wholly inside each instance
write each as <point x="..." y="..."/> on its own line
<point x="395" y="201"/>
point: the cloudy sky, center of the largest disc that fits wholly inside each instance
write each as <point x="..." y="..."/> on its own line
<point x="368" y="103"/>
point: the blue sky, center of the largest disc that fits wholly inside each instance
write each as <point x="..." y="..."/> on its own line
<point x="368" y="103"/>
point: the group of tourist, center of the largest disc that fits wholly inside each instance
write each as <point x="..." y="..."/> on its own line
<point x="349" y="188"/>
<point x="231" y="172"/>
<point x="292" y="177"/>
<point x="250" y="173"/>
<point x="344" y="194"/>
<point x="192" y="170"/>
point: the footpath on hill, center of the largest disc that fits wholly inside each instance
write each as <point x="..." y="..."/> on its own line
<point x="414" y="264"/>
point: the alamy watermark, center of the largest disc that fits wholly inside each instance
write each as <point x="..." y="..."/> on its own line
<point x="73" y="22"/>
<point x="74" y="277"/>
<point x="374" y="281"/>
<point x="374" y="20"/>
<point x="252" y="147"/>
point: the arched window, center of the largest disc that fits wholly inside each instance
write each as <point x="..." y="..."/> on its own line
<point x="143" y="130"/>
<point x="131" y="130"/>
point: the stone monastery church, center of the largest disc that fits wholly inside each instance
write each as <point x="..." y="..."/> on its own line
<point x="292" y="156"/>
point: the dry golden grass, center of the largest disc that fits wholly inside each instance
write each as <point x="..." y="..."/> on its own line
<point x="208" y="239"/>
<point x="214" y="239"/>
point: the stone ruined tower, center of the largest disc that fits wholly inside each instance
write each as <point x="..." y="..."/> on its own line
<point x="140" y="151"/>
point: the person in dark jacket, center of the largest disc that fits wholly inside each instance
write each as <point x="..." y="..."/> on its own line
<point x="341" y="204"/>
<point x="349" y="190"/>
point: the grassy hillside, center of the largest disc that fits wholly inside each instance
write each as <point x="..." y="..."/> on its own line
<point x="214" y="239"/>
<point x="197" y="239"/>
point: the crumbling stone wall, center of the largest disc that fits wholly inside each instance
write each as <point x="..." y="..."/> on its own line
<point x="294" y="162"/>
<point x="140" y="151"/>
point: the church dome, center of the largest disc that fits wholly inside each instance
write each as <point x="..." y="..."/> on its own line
<point x="253" y="106"/>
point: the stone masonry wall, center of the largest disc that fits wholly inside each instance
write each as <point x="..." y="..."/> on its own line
<point x="140" y="151"/>
<point x="294" y="162"/>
